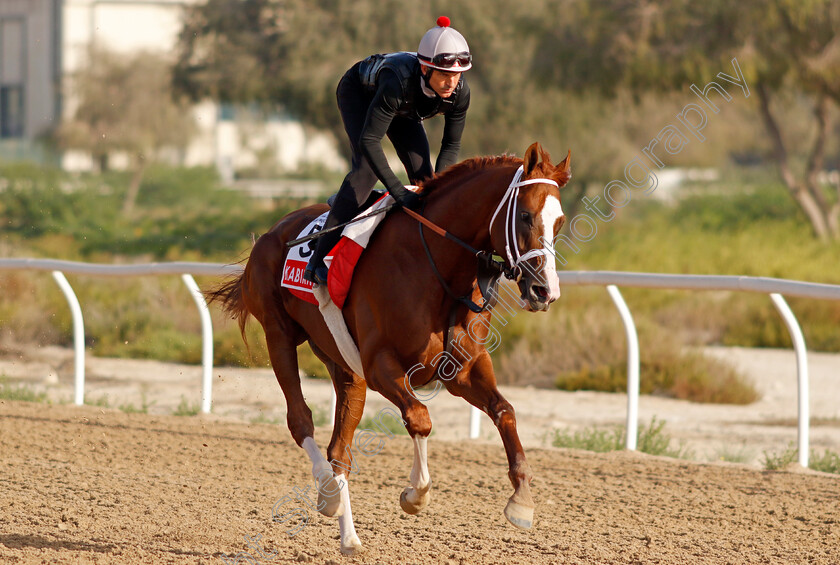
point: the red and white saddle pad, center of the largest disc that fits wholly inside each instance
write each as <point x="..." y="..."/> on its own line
<point x="297" y="260"/>
<point x="341" y="260"/>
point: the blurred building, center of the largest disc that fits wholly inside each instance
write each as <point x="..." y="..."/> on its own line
<point x="43" y="42"/>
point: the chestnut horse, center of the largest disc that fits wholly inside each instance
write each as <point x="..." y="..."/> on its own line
<point x="398" y="313"/>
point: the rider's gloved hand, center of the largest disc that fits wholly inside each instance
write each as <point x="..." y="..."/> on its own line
<point x="406" y="198"/>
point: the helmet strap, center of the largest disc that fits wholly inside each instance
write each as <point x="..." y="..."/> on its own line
<point x="426" y="73"/>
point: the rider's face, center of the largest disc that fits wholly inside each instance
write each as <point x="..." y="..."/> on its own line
<point x="443" y="82"/>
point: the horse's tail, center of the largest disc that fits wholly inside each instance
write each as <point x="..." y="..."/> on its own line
<point x="229" y="294"/>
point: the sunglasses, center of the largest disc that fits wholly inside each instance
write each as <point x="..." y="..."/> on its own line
<point x="463" y="58"/>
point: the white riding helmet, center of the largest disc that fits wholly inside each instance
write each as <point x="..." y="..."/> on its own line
<point x="444" y="49"/>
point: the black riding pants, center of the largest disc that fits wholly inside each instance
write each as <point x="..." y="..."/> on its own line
<point x="409" y="140"/>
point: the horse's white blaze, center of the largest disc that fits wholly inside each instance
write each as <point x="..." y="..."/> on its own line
<point x="420" y="470"/>
<point x="549" y="214"/>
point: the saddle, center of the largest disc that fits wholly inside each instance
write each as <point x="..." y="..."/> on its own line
<point x="374" y="196"/>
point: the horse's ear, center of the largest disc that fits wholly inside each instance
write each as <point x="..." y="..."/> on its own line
<point x="532" y="158"/>
<point x="563" y="171"/>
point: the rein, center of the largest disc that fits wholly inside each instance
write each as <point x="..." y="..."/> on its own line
<point x="492" y="269"/>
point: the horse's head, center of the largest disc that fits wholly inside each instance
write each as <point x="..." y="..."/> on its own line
<point x="531" y="216"/>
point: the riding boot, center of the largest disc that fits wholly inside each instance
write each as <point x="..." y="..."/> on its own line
<point x="316" y="270"/>
<point x="344" y="205"/>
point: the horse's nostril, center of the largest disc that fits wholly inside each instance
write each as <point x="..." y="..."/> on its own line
<point x="540" y="292"/>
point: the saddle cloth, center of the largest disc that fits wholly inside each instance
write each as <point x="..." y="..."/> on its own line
<point x="341" y="260"/>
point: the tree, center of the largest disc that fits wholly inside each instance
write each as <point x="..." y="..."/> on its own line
<point x="289" y="56"/>
<point x="784" y="47"/>
<point x="286" y="55"/>
<point x="125" y="104"/>
<point x="563" y="72"/>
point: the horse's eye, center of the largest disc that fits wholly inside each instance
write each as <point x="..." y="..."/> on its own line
<point x="525" y="216"/>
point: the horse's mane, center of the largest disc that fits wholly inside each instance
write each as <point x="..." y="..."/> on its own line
<point x="463" y="168"/>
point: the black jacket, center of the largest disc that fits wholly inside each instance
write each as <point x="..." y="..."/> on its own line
<point x="392" y="82"/>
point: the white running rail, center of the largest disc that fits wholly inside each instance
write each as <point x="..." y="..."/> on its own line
<point x="185" y="269"/>
<point x="775" y="288"/>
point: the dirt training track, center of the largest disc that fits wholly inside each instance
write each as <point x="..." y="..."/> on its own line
<point x="89" y="485"/>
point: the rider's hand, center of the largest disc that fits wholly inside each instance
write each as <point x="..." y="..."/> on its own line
<point x="406" y="198"/>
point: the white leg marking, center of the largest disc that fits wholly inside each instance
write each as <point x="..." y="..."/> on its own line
<point x="420" y="470"/>
<point x="319" y="462"/>
<point x="329" y="496"/>
<point x="350" y="543"/>
<point x="549" y="214"/>
<point x="414" y="498"/>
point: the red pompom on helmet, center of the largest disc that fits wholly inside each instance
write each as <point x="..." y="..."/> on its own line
<point x="445" y="49"/>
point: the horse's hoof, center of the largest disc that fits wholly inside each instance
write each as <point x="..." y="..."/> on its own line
<point x="411" y="507"/>
<point x="518" y="515"/>
<point x="330" y="504"/>
<point x="352" y="546"/>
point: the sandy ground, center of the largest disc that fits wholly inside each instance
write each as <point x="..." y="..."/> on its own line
<point x="92" y="484"/>
<point x="710" y="432"/>
<point x="86" y="484"/>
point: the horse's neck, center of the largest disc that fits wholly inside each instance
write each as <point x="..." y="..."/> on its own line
<point x="465" y="208"/>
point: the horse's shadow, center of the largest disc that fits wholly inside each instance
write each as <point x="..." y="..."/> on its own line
<point x="22" y="541"/>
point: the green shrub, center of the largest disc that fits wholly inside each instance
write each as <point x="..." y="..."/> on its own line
<point x="684" y="375"/>
<point x="591" y="439"/>
<point x="186" y="408"/>
<point x="733" y="454"/>
<point x="737" y="210"/>
<point x="230" y="350"/>
<point x="263" y="419"/>
<point x="320" y="415"/>
<point x="143" y="409"/>
<point x="575" y="349"/>
<point x="654" y="441"/>
<point x="828" y="462"/>
<point x="651" y="440"/>
<point x="388" y="422"/>
<point x="20" y="392"/>
<point x="755" y="322"/>
<point x="777" y="461"/>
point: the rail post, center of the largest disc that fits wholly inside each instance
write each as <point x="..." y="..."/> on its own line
<point x="801" y="374"/>
<point x="78" y="337"/>
<point x="206" y="343"/>
<point x="632" y="366"/>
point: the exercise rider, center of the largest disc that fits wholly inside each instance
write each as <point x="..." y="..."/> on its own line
<point x="391" y="94"/>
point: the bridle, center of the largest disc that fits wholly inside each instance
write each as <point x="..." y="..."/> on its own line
<point x="514" y="258"/>
<point x="492" y="268"/>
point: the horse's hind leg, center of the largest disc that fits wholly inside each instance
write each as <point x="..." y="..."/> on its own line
<point x="282" y="340"/>
<point x="350" y="390"/>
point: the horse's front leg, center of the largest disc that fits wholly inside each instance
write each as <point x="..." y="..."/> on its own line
<point x="478" y="387"/>
<point x="416" y="419"/>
